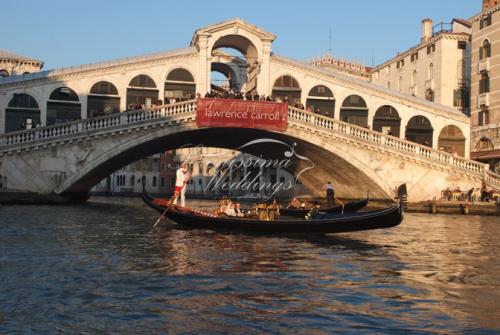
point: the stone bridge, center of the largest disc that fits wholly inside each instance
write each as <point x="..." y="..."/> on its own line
<point x="69" y="159"/>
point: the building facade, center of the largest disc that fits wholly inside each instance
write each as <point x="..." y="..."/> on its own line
<point x="437" y="69"/>
<point x="485" y="93"/>
<point x="12" y="64"/>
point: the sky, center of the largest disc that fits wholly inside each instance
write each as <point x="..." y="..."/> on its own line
<point x="75" y="32"/>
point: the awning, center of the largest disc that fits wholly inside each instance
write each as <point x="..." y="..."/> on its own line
<point x="485" y="155"/>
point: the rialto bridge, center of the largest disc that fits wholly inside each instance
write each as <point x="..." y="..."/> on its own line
<point x="86" y="132"/>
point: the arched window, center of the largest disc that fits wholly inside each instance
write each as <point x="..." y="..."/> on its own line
<point x="22" y="113"/>
<point x="452" y="140"/>
<point x="103" y="99"/>
<point x="320" y="100"/>
<point x="484" y="83"/>
<point x="419" y="130"/>
<point x="484" y="144"/>
<point x="287" y="89"/>
<point x="387" y="121"/>
<point x="63" y="106"/>
<point x="179" y="85"/>
<point x="429" y="95"/>
<point x="485" y="50"/>
<point x="354" y="110"/>
<point x="430" y="72"/>
<point x="4" y="73"/>
<point x="142" y="92"/>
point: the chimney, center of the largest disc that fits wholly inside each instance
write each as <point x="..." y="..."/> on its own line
<point x="426" y="30"/>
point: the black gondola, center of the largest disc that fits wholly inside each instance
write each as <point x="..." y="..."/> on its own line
<point x="348" y="222"/>
<point x="348" y="208"/>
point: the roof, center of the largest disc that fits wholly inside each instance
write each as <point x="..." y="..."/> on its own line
<point x="464" y="22"/>
<point x="374" y="87"/>
<point x="95" y="66"/>
<point x="5" y="54"/>
<point x="485" y="155"/>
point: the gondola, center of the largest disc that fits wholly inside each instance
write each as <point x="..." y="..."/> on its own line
<point x="348" y="208"/>
<point x="340" y="223"/>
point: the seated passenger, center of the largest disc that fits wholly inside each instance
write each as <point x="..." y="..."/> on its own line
<point x="230" y="209"/>
<point x="238" y="210"/>
<point x="295" y="203"/>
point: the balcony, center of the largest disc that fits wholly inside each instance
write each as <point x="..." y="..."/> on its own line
<point x="483" y="65"/>
<point x="483" y="100"/>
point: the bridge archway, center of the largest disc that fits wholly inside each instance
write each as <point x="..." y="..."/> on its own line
<point x="103" y="99"/>
<point x="351" y="177"/>
<point x="321" y="100"/>
<point x="244" y="54"/>
<point x="287" y="89"/>
<point x="142" y="90"/>
<point x="452" y="140"/>
<point x="22" y="113"/>
<point x="419" y="130"/>
<point x="227" y="81"/>
<point x="354" y="110"/>
<point x="387" y="120"/>
<point x="179" y="84"/>
<point x="63" y="106"/>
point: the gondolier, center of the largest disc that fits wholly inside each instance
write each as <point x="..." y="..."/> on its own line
<point x="330" y="193"/>
<point x="181" y="179"/>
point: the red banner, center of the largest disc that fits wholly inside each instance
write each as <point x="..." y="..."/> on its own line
<point x="241" y="114"/>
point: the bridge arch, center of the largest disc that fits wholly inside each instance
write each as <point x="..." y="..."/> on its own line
<point x="103" y="98"/>
<point x="287" y="87"/>
<point x="350" y="174"/>
<point x="179" y="83"/>
<point x="419" y="130"/>
<point x="63" y="105"/>
<point x="321" y="97"/>
<point x="452" y="140"/>
<point x="354" y="110"/>
<point x="142" y="90"/>
<point x="387" y="120"/>
<point x="227" y="71"/>
<point x="22" y="112"/>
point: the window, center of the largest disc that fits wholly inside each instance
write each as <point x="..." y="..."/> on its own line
<point x="400" y="83"/>
<point x="162" y="181"/>
<point x="483" y="117"/>
<point x="430" y="74"/>
<point x="485" y="22"/>
<point x="388" y="84"/>
<point x="414" y="56"/>
<point x="429" y="95"/>
<point x="485" y="50"/>
<point x="414" y="78"/>
<point x="431" y="48"/>
<point x="484" y="83"/>
<point x="462" y="45"/>
<point x="154" y="181"/>
<point x="400" y="64"/>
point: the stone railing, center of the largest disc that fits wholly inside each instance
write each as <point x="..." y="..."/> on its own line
<point x="20" y="139"/>
<point x="32" y="136"/>
<point x="378" y="139"/>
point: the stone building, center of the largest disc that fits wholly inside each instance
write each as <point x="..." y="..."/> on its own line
<point x="485" y="93"/>
<point x="12" y="64"/>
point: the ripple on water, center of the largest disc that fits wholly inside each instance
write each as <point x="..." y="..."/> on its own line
<point x="100" y="268"/>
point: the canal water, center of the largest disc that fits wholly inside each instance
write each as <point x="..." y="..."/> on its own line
<point x="100" y="268"/>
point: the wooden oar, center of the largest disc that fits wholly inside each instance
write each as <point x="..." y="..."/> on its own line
<point x="165" y="211"/>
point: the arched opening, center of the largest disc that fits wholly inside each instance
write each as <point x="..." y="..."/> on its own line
<point x="240" y="55"/>
<point x="142" y="92"/>
<point x="485" y="50"/>
<point x="387" y="121"/>
<point x="4" y="73"/>
<point x="223" y="78"/>
<point x="179" y="85"/>
<point x="452" y="140"/>
<point x="354" y="110"/>
<point x="103" y="99"/>
<point x="429" y="95"/>
<point x="320" y="99"/>
<point x="484" y="144"/>
<point x="419" y="130"/>
<point x="63" y="106"/>
<point x="286" y="88"/>
<point x="22" y="113"/>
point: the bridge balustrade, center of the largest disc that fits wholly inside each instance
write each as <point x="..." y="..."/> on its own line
<point x="308" y="119"/>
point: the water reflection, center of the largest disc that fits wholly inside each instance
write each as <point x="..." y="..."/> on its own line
<point x="101" y="267"/>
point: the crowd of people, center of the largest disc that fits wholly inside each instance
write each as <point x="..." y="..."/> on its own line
<point x="483" y="193"/>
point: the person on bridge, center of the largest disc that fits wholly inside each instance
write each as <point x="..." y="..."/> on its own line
<point x="330" y="193"/>
<point x="182" y="177"/>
